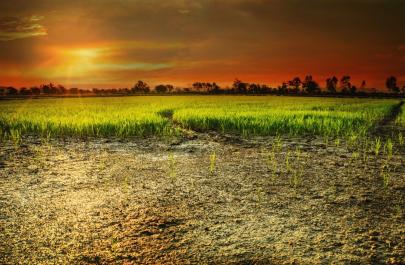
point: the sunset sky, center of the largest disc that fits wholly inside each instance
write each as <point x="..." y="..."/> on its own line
<point x="114" y="43"/>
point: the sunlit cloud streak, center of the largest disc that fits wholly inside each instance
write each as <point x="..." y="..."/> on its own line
<point x="12" y="28"/>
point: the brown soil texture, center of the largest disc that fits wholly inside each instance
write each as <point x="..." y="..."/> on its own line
<point x="170" y="201"/>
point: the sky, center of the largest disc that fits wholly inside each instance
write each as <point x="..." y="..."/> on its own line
<point x="114" y="43"/>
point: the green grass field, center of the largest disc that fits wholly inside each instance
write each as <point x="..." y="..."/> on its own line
<point x="151" y="115"/>
<point x="401" y="117"/>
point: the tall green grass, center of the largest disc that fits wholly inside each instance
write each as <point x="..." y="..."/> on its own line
<point x="401" y="117"/>
<point x="151" y="115"/>
<point x="293" y="116"/>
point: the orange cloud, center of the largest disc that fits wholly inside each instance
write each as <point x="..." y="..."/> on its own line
<point x="18" y="28"/>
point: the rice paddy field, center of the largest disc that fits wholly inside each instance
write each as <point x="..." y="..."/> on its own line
<point x="140" y="116"/>
<point x="202" y="180"/>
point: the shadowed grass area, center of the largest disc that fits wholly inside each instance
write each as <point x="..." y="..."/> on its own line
<point x="401" y="117"/>
<point x="153" y="115"/>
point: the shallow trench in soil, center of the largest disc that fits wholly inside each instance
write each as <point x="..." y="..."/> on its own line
<point x="210" y="199"/>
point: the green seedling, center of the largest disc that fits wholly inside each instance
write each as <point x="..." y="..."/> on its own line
<point x="277" y="145"/>
<point x="213" y="158"/>
<point x="172" y="166"/>
<point x="287" y="162"/>
<point x="377" y="146"/>
<point x="401" y="139"/>
<point x="46" y="138"/>
<point x="337" y="142"/>
<point x="297" y="173"/>
<point x="272" y="163"/>
<point x="352" y="139"/>
<point x="296" y="178"/>
<point x="389" y="146"/>
<point x="386" y="174"/>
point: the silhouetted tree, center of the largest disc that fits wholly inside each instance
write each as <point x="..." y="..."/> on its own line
<point x="61" y="89"/>
<point x="73" y="90"/>
<point x="353" y="89"/>
<point x="206" y="87"/>
<point x="124" y="91"/>
<point x="283" y="88"/>
<point x="140" y="87"/>
<point x="11" y="91"/>
<point x="345" y="84"/>
<point x="49" y="89"/>
<point x="310" y="86"/>
<point x="82" y="91"/>
<point x="170" y="88"/>
<point x="215" y="88"/>
<point x="295" y="84"/>
<point x="391" y="84"/>
<point x="331" y="84"/>
<point x="197" y="86"/>
<point x="161" y="88"/>
<point x="35" y="90"/>
<point x="239" y="86"/>
<point x="25" y="91"/>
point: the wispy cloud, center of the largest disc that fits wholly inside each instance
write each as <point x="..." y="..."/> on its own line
<point x="12" y="28"/>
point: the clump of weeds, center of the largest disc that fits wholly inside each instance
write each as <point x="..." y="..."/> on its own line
<point x="272" y="163"/>
<point x="386" y="174"/>
<point x="46" y="138"/>
<point x="401" y="139"/>
<point x="15" y="136"/>
<point x="297" y="171"/>
<point x="337" y="142"/>
<point x="377" y="146"/>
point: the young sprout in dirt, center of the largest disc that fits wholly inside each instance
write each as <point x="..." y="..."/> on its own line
<point x="297" y="173"/>
<point x="364" y="153"/>
<point x="352" y="140"/>
<point x="272" y="163"/>
<point x="355" y="156"/>
<point x="287" y="162"/>
<point x="46" y="137"/>
<point x="172" y="166"/>
<point x="401" y="139"/>
<point x="278" y="144"/>
<point x="377" y="146"/>
<point x="213" y="158"/>
<point x="386" y="173"/>
<point x="337" y="142"/>
<point x="389" y="146"/>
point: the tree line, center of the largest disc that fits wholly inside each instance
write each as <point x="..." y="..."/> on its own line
<point x="333" y="86"/>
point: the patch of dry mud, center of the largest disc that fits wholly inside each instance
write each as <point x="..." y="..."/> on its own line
<point x="155" y="202"/>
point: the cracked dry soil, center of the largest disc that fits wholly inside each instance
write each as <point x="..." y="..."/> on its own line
<point x="153" y="201"/>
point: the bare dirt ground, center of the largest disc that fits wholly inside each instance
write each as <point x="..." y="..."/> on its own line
<point x="157" y="201"/>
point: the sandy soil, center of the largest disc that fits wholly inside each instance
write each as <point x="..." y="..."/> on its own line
<point x="157" y="201"/>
